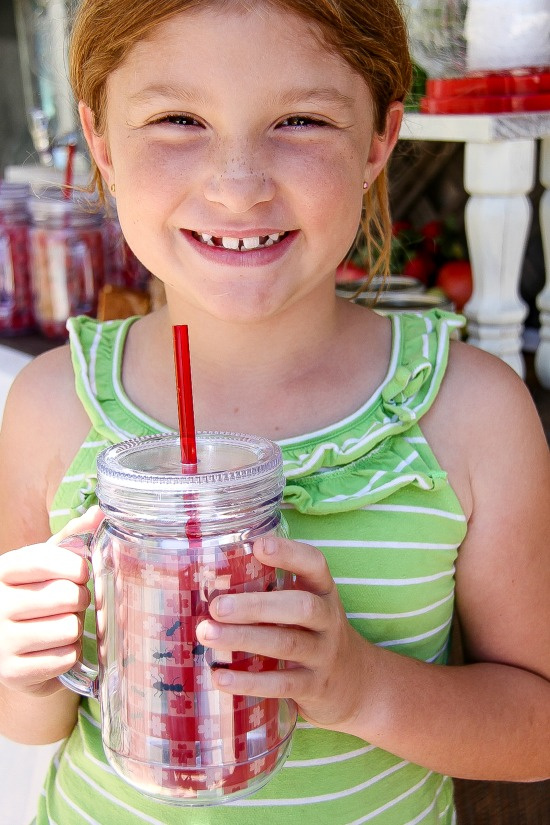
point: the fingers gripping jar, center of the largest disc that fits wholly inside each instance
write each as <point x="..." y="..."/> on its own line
<point x="169" y="544"/>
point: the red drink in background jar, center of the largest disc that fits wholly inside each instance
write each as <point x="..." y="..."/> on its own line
<point x="16" y="306"/>
<point x="67" y="260"/>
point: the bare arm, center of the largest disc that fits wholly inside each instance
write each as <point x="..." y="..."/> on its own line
<point x="41" y="587"/>
<point x="489" y="719"/>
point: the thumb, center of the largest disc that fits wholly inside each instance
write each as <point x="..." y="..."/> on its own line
<point x="81" y="528"/>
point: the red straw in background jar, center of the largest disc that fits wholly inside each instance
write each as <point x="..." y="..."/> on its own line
<point x="69" y="171"/>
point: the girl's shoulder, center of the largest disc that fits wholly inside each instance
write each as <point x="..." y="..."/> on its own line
<point x="45" y="386"/>
<point x="44" y="422"/>
<point x="488" y="390"/>
<point x="484" y="426"/>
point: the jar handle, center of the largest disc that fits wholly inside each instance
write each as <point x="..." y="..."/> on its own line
<point x="81" y="678"/>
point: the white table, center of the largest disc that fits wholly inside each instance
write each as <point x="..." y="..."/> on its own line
<point x="499" y="173"/>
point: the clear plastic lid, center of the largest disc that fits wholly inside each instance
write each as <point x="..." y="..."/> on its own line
<point x="238" y="477"/>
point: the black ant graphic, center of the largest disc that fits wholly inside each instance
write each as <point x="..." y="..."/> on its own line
<point x="167" y="654"/>
<point x="174" y="687"/>
<point x="172" y="630"/>
<point x="198" y="650"/>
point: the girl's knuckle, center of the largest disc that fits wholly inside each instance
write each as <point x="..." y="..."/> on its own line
<point x="309" y="606"/>
<point x="323" y="568"/>
<point x="289" y="644"/>
<point x="287" y="683"/>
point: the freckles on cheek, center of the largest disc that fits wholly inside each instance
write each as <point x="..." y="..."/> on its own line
<point x="327" y="175"/>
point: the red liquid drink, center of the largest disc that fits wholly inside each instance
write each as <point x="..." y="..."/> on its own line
<point x="165" y="666"/>
<point x="67" y="261"/>
<point x="16" y="306"/>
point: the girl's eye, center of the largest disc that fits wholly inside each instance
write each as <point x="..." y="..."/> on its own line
<point x="301" y="122"/>
<point x="178" y="120"/>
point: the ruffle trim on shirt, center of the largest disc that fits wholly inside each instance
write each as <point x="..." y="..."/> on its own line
<point x="97" y="349"/>
<point x="363" y="482"/>
<point x="351" y="466"/>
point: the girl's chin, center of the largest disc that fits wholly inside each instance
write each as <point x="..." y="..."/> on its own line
<point x="236" y="302"/>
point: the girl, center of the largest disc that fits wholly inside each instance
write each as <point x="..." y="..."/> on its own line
<point x="244" y="142"/>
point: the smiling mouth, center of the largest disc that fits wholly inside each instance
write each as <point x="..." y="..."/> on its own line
<point x="241" y="244"/>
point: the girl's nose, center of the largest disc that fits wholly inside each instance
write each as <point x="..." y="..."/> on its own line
<point x="239" y="183"/>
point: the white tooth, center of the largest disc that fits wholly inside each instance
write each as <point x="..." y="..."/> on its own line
<point x="269" y="242"/>
<point x="276" y="236"/>
<point x="230" y="243"/>
<point x="210" y="242"/>
<point x="205" y="238"/>
<point x="251" y="243"/>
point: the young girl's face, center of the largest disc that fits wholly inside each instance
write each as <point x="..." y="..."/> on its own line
<point x="239" y="146"/>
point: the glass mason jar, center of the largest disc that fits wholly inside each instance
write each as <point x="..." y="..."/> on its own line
<point x="170" y="542"/>
<point x="67" y="260"/>
<point x="16" y="312"/>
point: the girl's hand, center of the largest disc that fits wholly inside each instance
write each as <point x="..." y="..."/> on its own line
<point x="42" y="591"/>
<point x="325" y="658"/>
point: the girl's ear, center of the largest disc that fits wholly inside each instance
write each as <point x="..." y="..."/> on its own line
<point x="382" y="145"/>
<point x="97" y="144"/>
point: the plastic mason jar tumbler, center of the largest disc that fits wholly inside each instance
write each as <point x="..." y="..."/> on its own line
<point x="170" y="542"/>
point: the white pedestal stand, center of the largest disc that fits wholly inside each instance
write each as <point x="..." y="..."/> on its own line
<point x="499" y="173"/>
<point x="542" y="357"/>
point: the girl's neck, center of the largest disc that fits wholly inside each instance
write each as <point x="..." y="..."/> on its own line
<point x="301" y="336"/>
<point x="282" y="377"/>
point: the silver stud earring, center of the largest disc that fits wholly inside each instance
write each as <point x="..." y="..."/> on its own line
<point x="365" y="184"/>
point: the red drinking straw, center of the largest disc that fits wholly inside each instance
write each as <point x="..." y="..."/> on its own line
<point x="184" y="391"/>
<point x="188" y="446"/>
<point x="68" y="183"/>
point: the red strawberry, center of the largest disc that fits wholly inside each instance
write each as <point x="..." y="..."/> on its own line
<point x="455" y="279"/>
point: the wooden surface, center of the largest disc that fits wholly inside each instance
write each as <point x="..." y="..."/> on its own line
<point x="502" y="803"/>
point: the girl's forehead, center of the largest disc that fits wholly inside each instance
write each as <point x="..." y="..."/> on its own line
<point x="211" y="28"/>
<point x="235" y="39"/>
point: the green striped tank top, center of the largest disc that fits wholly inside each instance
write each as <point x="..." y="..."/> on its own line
<point x="370" y="494"/>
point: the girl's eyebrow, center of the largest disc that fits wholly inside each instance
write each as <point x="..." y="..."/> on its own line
<point x="290" y="97"/>
<point x="306" y="94"/>
<point x="166" y="90"/>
